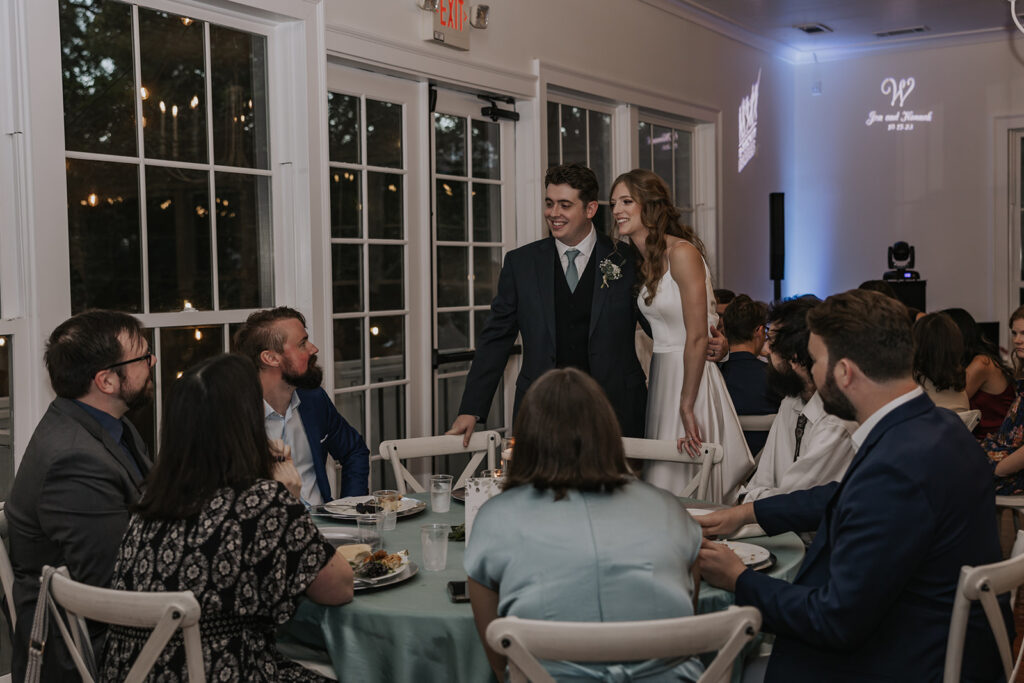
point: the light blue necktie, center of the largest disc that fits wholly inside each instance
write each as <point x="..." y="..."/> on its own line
<point x="572" y="276"/>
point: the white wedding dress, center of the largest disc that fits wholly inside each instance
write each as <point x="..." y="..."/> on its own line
<point x="716" y="416"/>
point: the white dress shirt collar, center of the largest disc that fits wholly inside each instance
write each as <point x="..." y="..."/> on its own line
<point x="861" y="435"/>
<point x="586" y="246"/>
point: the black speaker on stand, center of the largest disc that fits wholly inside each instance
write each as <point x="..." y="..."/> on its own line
<point x="777" y="240"/>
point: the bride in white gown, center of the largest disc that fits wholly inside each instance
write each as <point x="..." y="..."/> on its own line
<point x="687" y="397"/>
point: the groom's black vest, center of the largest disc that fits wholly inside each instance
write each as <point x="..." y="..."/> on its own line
<point x="572" y="316"/>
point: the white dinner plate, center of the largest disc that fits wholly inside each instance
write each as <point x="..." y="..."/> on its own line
<point x="752" y="555"/>
<point x="345" y="508"/>
<point x="697" y="512"/>
<point x="406" y="571"/>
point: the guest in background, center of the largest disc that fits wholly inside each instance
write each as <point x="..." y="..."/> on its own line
<point x="1005" y="448"/>
<point x="574" y="536"/>
<point x="297" y="410"/>
<point x="989" y="383"/>
<point x="806" y="446"/>
<point x="746" y="376"/>
<point x="215" y="522"/>
<point x="723" y="297"/>
<point x="938" y="361"/>
<point x="83" y="467"/>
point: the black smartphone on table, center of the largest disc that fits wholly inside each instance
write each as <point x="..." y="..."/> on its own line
<point x="457" y="591"/>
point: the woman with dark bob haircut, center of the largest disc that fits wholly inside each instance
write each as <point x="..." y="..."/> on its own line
<point x="575" y="536"/>
<point x="213" y="520"/>
<point x="938" y="361"/>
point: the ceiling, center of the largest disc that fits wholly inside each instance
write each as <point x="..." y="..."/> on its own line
<point x="854" y="23"/>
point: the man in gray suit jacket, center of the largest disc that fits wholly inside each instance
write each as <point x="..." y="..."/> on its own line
<point x="83" y="467"/>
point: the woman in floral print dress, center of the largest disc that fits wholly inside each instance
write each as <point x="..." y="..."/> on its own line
<point x="213" y="520"/>
<point x="1005" y="448"/>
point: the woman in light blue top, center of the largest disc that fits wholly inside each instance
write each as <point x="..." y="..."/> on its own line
<point x="575" y="537"/>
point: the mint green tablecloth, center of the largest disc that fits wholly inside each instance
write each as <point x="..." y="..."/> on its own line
<point x="411" y="632"/>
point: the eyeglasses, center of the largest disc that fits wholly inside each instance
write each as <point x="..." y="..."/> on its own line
<point x="148" y="357"/>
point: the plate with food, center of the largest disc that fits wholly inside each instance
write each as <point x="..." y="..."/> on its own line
<point x="754" y="556"/>
<point x="350" y="508"/>
<point x="377" y="569"/>
<point x="459" y="494"/>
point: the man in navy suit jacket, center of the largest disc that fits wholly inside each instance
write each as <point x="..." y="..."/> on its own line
<point x="874" y="596"/>
<point x="297" y="410"/>
<point x="588" y="324"/>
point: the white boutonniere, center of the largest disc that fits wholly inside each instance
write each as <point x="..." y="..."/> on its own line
<point x="610" y="272"/>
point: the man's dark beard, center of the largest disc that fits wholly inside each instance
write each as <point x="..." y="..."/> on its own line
<point x="784" y="382"/>
<point x="138" y="398"/>
<point x="834" y="400"/>
<point x="310" y="379"/>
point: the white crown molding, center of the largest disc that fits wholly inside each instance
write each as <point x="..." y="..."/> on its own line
<point x="907" y="44"/>
<point x="427" y="62"/>
<point x="653" y="99"/>
<point x="728" y="28"/>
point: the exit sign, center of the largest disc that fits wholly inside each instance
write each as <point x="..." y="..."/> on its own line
<point x="451" y="24"/>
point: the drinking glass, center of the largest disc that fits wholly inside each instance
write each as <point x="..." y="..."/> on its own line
<point x="434" y="538"/>
<point x="440" y="492"/>
<point x="508" y="444"/>
<point x="369" y="531"/>
<point x="388" y="501"/>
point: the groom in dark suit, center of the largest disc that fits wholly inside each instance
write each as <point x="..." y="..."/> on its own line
<point x="571" y="297"/>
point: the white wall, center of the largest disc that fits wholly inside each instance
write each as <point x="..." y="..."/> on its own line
<point x="613" y="43"/>
<point x="858" y="189"/>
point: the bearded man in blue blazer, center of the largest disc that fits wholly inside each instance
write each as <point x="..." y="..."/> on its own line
<point x="572" y="299"/>
<point x="297" y="410"/>
<point x="874" y="595"/>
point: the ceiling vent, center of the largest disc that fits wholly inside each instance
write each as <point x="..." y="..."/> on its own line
<point x="812" y="29"/>
<point x="902" y="32"/>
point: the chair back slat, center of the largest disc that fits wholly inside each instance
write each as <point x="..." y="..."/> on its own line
<point x="699" y="486"/>
<point x="985" y="584"/>
<point x="398" y="451"/>
<point x="526" y="641"/>
<point x="164" y="613"/>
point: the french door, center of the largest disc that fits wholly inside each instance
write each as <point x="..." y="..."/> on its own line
<point x="473" y="225"/>
<point x="422" y="213"/>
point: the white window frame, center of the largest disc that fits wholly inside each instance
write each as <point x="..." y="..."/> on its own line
<point x="41" y="293"/>
<point x="344" y="79"/>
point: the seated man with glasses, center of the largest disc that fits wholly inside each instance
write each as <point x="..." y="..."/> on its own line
<point x="83" y="467"/>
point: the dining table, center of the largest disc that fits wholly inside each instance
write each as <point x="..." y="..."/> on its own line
<point x="411" y="631"/>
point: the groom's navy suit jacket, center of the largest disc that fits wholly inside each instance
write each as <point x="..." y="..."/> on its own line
<point x="525" y="304"/>
<point x="874" y="596"/>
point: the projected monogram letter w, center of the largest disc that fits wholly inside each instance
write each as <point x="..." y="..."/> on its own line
<point x="899" y="92"/>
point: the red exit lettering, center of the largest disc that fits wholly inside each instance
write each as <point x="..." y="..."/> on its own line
<point x="452" y="14"/>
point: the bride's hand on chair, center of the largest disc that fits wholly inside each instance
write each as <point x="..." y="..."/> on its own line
<point x="692" y="441"/>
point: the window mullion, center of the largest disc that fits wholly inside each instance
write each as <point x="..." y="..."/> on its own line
<point x="140" y="141"/>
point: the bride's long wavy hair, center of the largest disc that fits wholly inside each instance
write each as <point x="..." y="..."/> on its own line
<point x="660" y="216"/>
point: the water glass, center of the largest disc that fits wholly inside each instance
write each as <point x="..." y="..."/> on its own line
<point x="434" y="538"/>
<point x="369" y="531"/>
<point x="440" y="492"/>
<point x="508" y="444"/>
<point x="388" y="501"/>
